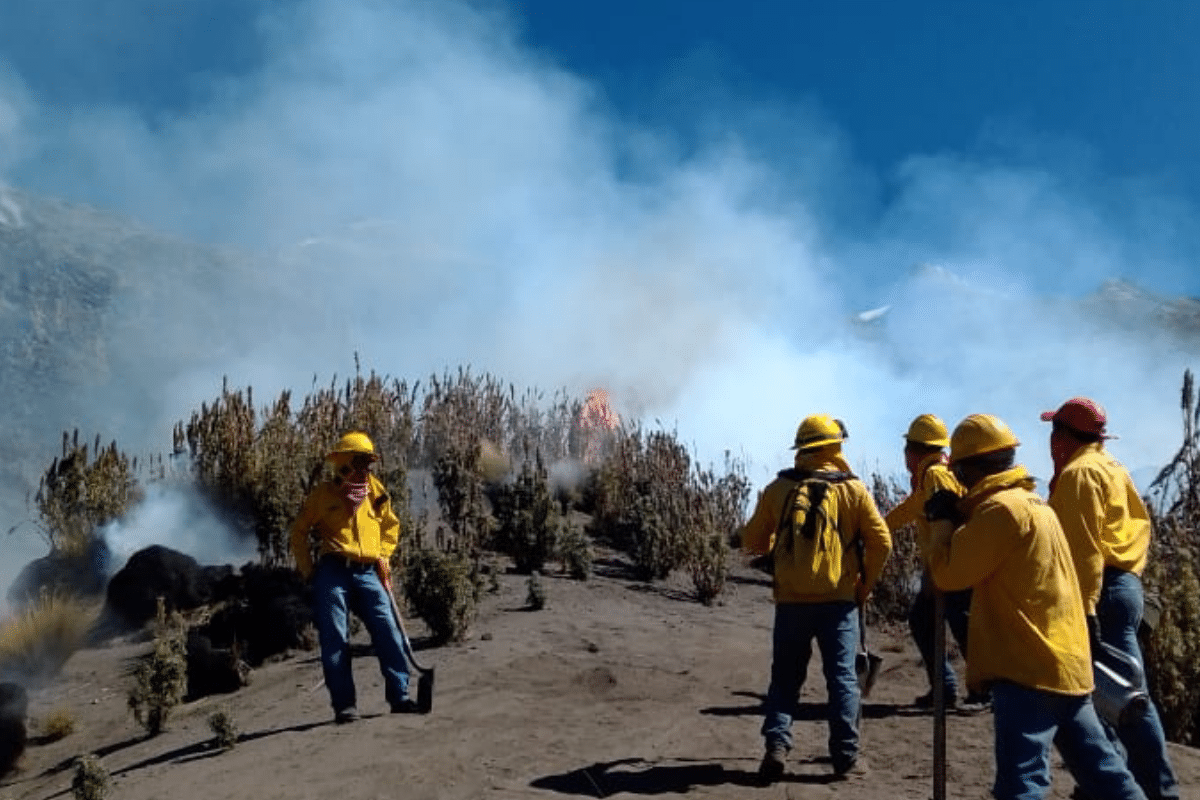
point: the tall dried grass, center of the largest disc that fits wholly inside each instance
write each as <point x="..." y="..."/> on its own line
<point x="36" y="641"/>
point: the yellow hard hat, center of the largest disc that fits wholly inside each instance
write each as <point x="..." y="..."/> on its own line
<point x="928" y="429"/>
<point x="819" y="430"/>
<point x="354" y="442"/>
<point x="978" y="435"/>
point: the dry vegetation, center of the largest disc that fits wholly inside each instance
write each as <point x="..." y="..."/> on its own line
<point x="37" y="640"/>
<point x="490" y="453"/>
<point x="1172" y="645"/>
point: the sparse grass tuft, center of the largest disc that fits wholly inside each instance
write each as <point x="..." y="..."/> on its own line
<point x="37" y="641"/>
<point x="58" y="724"/>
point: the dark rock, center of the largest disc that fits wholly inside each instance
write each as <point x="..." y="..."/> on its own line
<point x="80" y="575"/>
<point x="213" y="670"/>
<point x="14" y="707"/>
<point x="265" y="613"/>
<point x="155" y="572"/>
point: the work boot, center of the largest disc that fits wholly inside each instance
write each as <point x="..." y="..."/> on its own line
<point x="405" y="706"/>
<point x="349" y="714"/>
<point x="926" y="700"/>
<point x="854" y="768"/>
<point x="773" y="763"/>
<point x="976" y="701"/>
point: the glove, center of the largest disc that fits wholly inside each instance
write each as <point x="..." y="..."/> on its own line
<point x="943" y="505"/>
<point x="1093" y="626"/>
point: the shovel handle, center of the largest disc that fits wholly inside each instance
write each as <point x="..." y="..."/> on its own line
<point x="939" y="695"/>
<point x="385" y="578"/>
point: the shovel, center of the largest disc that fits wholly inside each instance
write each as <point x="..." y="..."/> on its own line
<point x="425" y="675"/>
<point x="866" y="663"/>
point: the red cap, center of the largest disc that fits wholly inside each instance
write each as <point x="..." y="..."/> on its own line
<point x="1080" y="414"/>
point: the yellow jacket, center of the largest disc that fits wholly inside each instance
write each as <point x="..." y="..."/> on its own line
<point x="857" y="514"/>
<point x="369" y="533"/>
<point x="932" y="474"/>
<point x="1027" y="624"/>
<point x="1103" y="516"/>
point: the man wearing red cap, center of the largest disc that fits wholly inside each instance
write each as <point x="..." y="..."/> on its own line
<point x="1108" y="529"/>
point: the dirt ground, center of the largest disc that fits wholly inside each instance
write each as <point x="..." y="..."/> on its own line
<point x="615" y="689"/>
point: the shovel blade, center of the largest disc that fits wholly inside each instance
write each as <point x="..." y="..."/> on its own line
<point x="425" y="691"/>
<point x="867" y="666"/>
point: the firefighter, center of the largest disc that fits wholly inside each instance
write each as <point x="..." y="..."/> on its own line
<point x="1028" y="638"/>
<point x="818" y="583"/>
<point x="1108" y="529"/>
<point x="357" y="531"/>
<point x="925" y="445"/>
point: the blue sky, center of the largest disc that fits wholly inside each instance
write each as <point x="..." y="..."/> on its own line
<point x="685" y="202"/>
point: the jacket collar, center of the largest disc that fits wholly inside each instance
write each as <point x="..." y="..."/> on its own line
<point x="1016" y="478"/>
<point x="826" y="459"/>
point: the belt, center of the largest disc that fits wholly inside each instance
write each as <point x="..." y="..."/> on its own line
<point x="348" y="561"/>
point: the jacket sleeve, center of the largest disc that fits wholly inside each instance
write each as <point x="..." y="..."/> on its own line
<point x="1079" y="501"/>
<point x="758" y="533"/>
<point x="963" y="557"/>
<point x="389" y="526"/>
<point x="905" y="513"/>
<point x="299" y="535"/>
<point x="877" y="540"/>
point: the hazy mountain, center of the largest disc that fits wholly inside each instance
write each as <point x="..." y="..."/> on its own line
<point x="95" y="310"/>
<point x="102" y="317"/>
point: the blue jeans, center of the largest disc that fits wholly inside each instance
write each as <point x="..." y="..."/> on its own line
<point x="835" y="627"/>
<point x="1027" y="721"/>
<point x="1120" y="612"/>
<point x="338" y="589"/>
<point x="920" y="624"/>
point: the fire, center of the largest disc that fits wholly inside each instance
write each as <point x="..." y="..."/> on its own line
<point x="597" y="422"/>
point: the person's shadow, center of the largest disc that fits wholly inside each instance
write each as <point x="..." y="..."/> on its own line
<point x="638" y="776"/>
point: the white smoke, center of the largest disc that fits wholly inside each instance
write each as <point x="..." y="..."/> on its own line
<point x="419" y="188"/>
<point x="178" y="517"/>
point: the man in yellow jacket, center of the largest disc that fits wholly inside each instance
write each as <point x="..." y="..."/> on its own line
<point x="356" y="531"/>
<point x="1028" y="638"/>
<point x="925" y="445"/>
<point x="1108" y="528"/>
<point x="818" y="581"/>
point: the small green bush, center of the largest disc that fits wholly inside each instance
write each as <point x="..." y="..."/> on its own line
<point x="709" y="566"/>
<point x="575" y="553"/>
<point x="535" y="597"/>
<point x="91" y="781"/>
<point x="160" y="678"/>
<point x="224" y="728"/>
<point x="527" y="525"/>
<point x="442" y="590"/>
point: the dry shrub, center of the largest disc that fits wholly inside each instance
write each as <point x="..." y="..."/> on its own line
<point x="896" y="589"/>
<point x="575" y="553"/>
<point x="77" y="495"/>
<point x="442" y="589"/>
<point x="1172" y="645"/>
<point x="58" y="724"/>
<point x="709" y="566"/>
<point x="36" y="641"/>
<point x="92" y="781"/>
<point x="650" y="500"/>
<point x="527" y="527"/>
